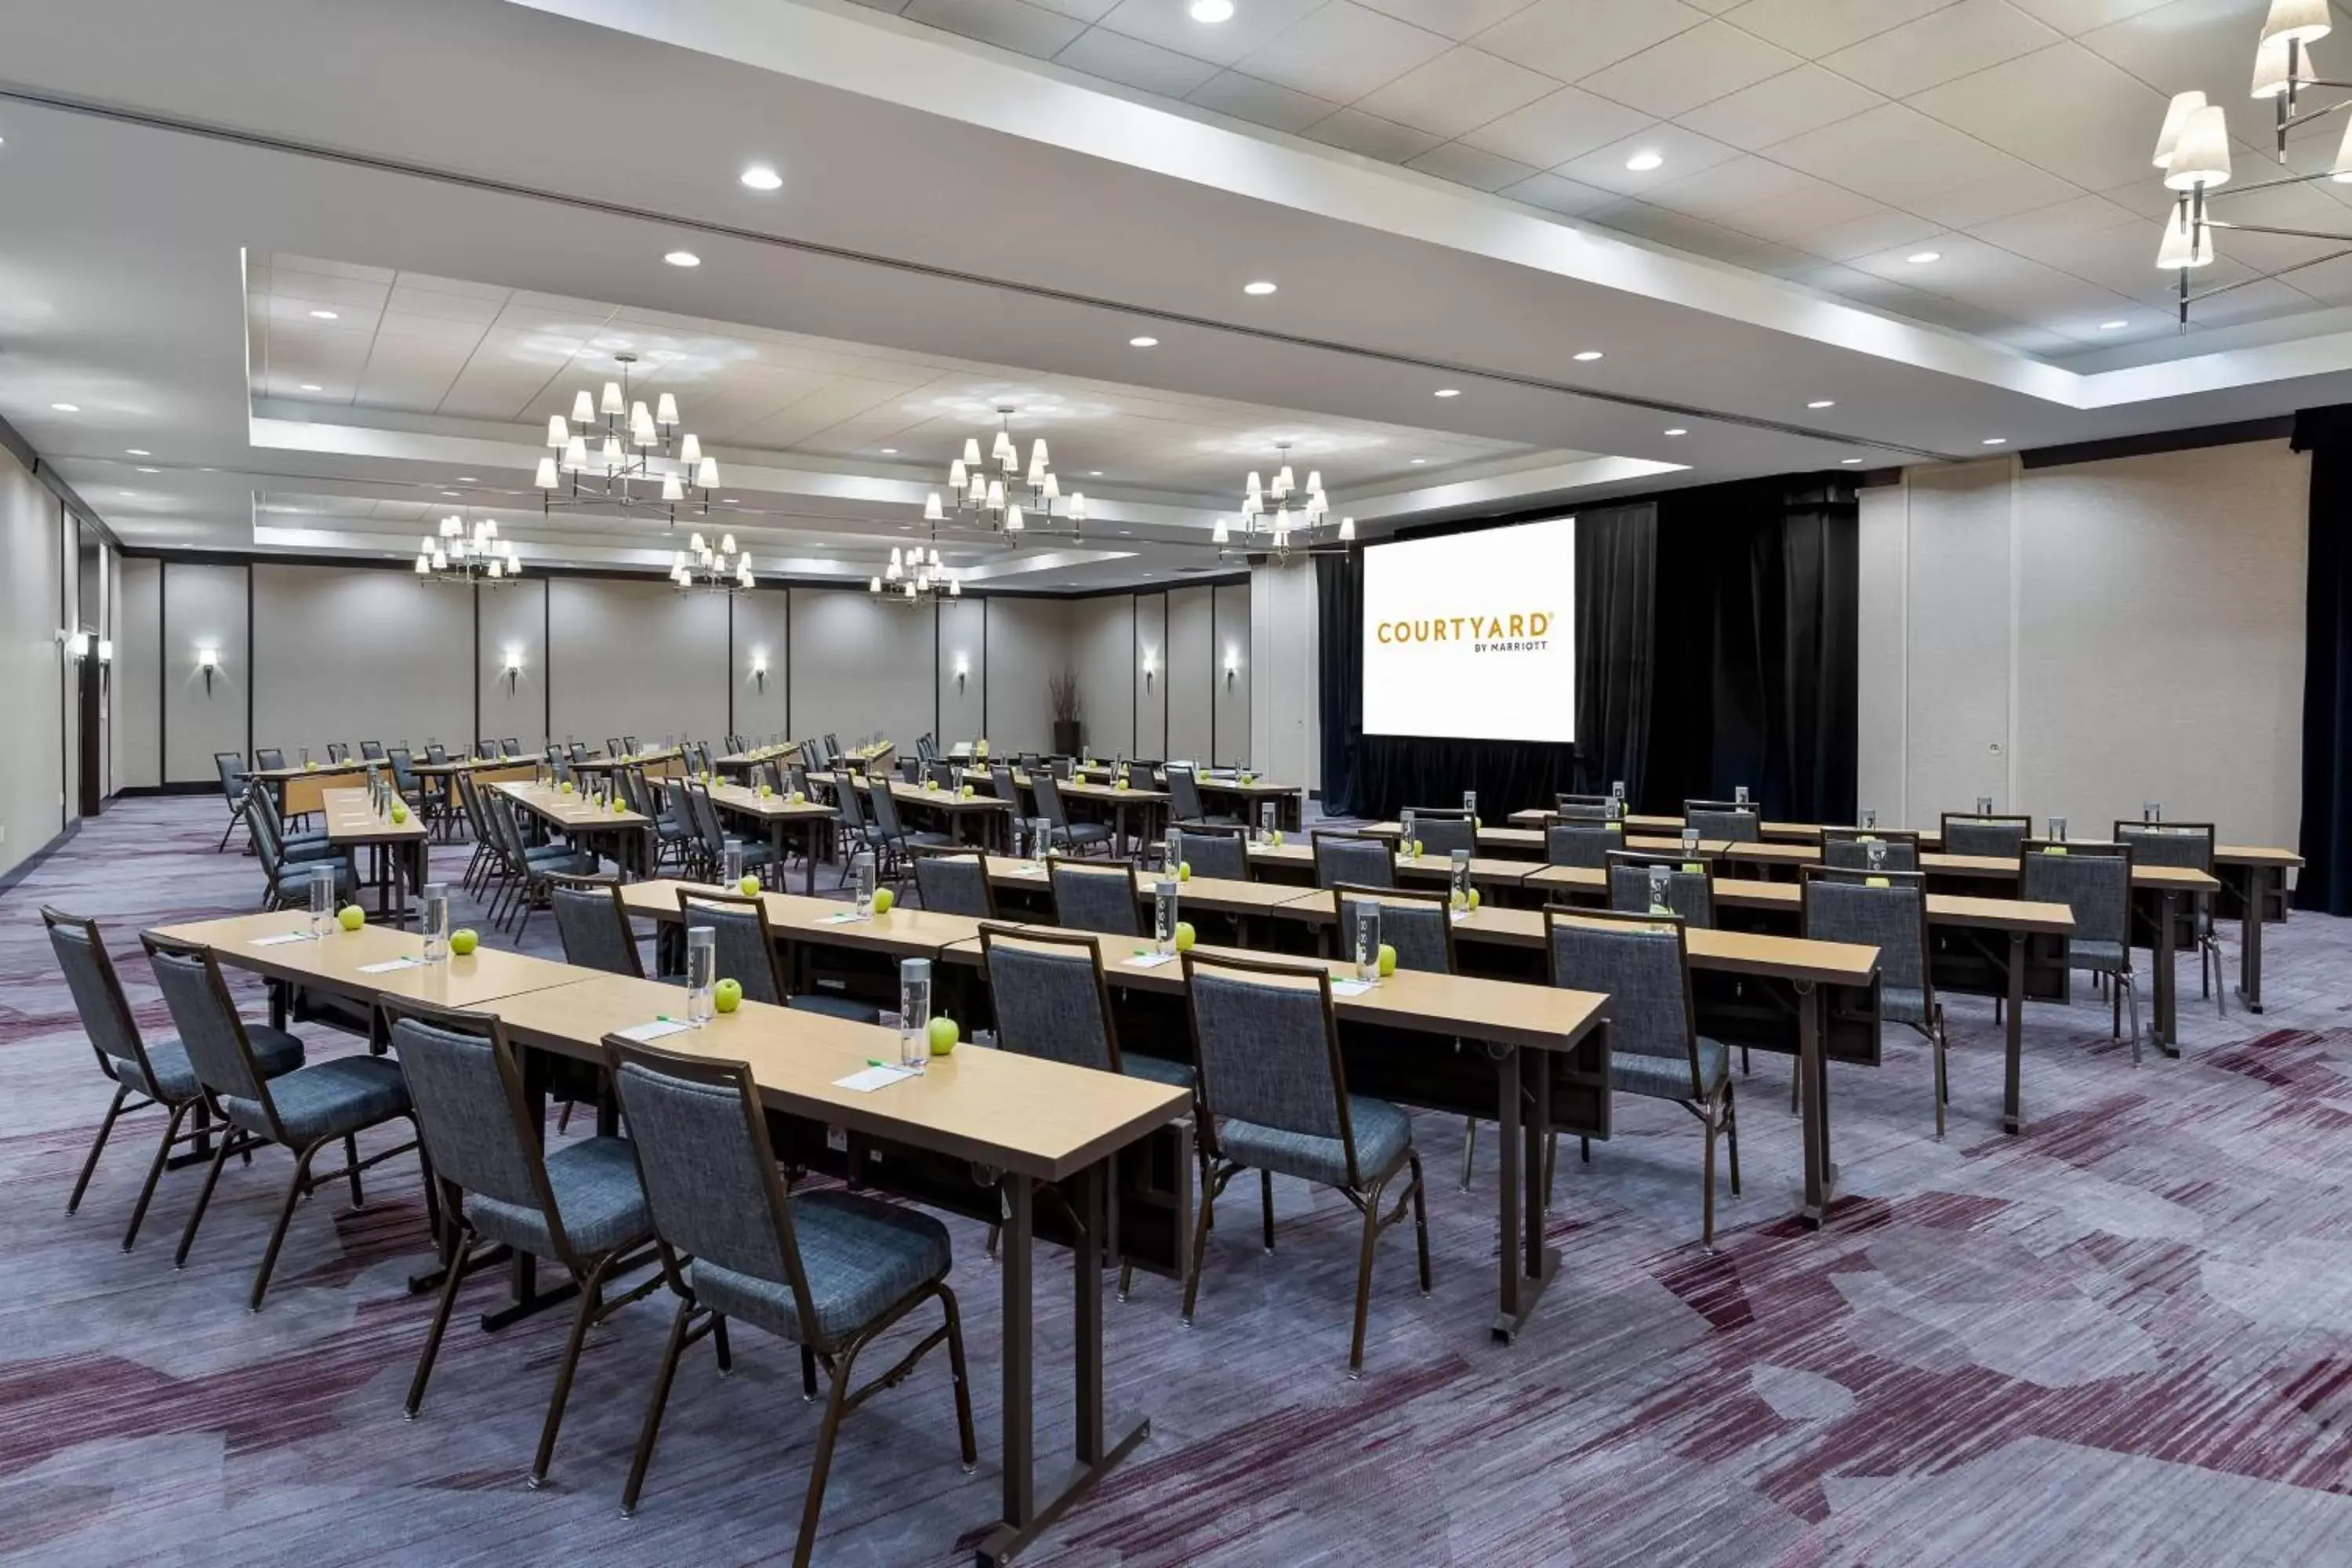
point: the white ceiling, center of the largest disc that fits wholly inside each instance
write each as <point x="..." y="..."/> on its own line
<point x="1824" y="141"/>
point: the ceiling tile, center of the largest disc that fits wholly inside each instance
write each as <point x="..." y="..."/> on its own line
<point x="1084" y="10"/>
<point x="1342" y="52"/>
<point x="1008" y="23"/>
<point x="1690" y="69"/>
<point x="1746" y="181"/>
<point x="1466" y="166"/>
<point x="1459" y="90"/>
<point x="2017" y="190"/>
<point x="1781" y="107"/>
<point x="1169" y="24"/>
<point x="1455" y="18"/>
<point x="1131" y="62"/>
<point x="1259" y="102"/>
<point x="2063" y="109"/>
<point x="1571" y="198"/>
<point x="1816" y="27"/>
<point x="1686" y="153"/>
<point x="1897" y="154"/>
<point x="2071" y="17"/>
<point x="1551" y="130"/>
<point x="1941" y="47"/>
<point x="1568" y="38"/>
<point x="1372" y="136"/>
<point x="1886" y="227"/>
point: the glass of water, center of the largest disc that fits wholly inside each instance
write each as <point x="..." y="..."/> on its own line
<point x="1661" y="882"/>
<point x="915" y="1014"/>
<point x="1617" y="793"/>
<point x="1041" y="836"/>
<point x="436" y="921"/>
<point x="1404" y="833"/>
<point x="1172" y="851"/>
<point x="1163" y="915"/>
<point x="731" y="864"/>
<point x="323" y="906"/>
<point x="1739" y="795"/>
<point x="1870" y="821"/>
<point x="1984" y="805"/>
<point x="701" y="973"/>
<point x="1458" y="878"/>
<point x="2151" y="812"/>
<point x="1690" y="841"/>
<point x="1265" y="823"/>
<point x="1470" y="803"/>
<point x="1876" y="851"/>
<point x="1368" y="942"/>
<point x="2058" y="829"/>
<point x="861" y="877"/>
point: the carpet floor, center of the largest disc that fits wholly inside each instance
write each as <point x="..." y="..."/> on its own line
<point x="2123" y="1336"/>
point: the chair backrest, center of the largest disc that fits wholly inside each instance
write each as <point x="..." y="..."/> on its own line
<point x="1886" y="910"/>
<point x="469" y="797"/>
<point x="96" y="991"/>
<point x="403" y="769"/>
<point x="1047" y="789"/>
<point x="510" y="747"/>
<point x="1267" y="1049"/>
<point x="1095" y="898"/>
<point x="231" y="768"/>
<point x="1582" y="842"/>
<point x="712" y="1185"/>
<point x="1355" y="859"/>
<point x="954" y="882"/>
<point x="1184" y="795"/>
<point x="1000" y="782"/>
<point x="910" y="770"/>
<point x="262" y="823"/>
<point x="947" y="774"/>
<point x="1848" y="849"/>
<point x="269" y="757"/>
<point x="1214" y="853"/>
<point x="628" y="744"/>
<point x="579" y="751"/>
<point x="2185" y="844"/>
<point x="1716" y="819"/>
<point x="371" y="751"/>
<point x="681" y="809"/>
<point x="1417" y="924"/>
<point x="1062" y="768"/>
<point x="207" y="1023"/>
<point x="1443" y="830"/>
<point x="796" y="780"/>
<point x="471" y="1108"/>
<point x="1640" y="960"/>
<point x="338" y="752"/>
<point x="745" y="946"/>
<point x="1050" y="996"/>
<point x="594" y="923"/>
<point x="1583" y="807"/>
<point x="1996" y="837"/>
<point x="847" y="800"/>
<point x="886" y="809"/>
<point x="613" y="747"/>
<point x="2094" y="880"/>
<point x="705" y="819"/>
<point x="832" y="744"/>
<point x="435" y="752"/>
<point x="1690" y="894"/>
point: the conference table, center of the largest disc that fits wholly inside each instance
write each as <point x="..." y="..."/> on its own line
<point x="578" y="818"/>
<point x="780" y="817"/>
<point x="398" y="849"/>
<point x="299" y="788"/>
<point x="439" y="784"/>
<point x="655" y="762"/>
<point x="1031" y="1122"/>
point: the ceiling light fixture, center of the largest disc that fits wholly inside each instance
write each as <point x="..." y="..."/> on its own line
<point x="1268" y="524"/>
<point x="1588" y="356"/>
<point x="889" y="451"/>
<point x="1678" y="430"/>
<point x="975" y="499"/>
<point x="1143" y="342"/>
<point x="683" y="258"/>
<point x="1418" y="461"/>
<point x="1212" y="10"/>
<point x="700" y="569"/>
<point x="324" y="316"/>
<point x="467" y="553"/>
<point x="1850" y="462"/>
<point x="915" y="576"/>
<point x="312" y="386"/>
<point x="139" y="451"/>
<point x="67" y="408"/>
<point x="637" y="447"/>
<point x="1259" y="288"/>
<point x="1447" y="392"/>
<point x="1996" y="440"/>
<point x="1822" y="403"/>
<point x="1921" y="258"/>
<point x="2113" y="326"/>
<point x="1644" y="161"/>
<point x="146" y="470"/>
<point x="760" y="177"/>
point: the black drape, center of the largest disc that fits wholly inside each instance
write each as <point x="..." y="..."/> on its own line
<point x="1733" y="663"/>
<point x="2326" y="883"/>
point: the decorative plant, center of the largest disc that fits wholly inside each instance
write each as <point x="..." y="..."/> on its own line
<point x="1062" y="691"/>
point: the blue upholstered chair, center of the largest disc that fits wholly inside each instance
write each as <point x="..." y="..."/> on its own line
<point x="1274" y="1090"/>
<point x="285" y="884"/>
<point x="1077" y="837"/>
<point x="1184" y="800"/>
<point x="1848" y="849"/>
<point x="955" y="882"/>
<point x="1214" y="853"/>
<point x="1581" y="841"/>
<point x="1353" y="859"/>
<point x="1993" y="838"/>
<point x="1095" y="898"/>
<point x="2093" y="881"/>
<point x="2189" y="845"/>
<point x="593" y="924"/>
<point x="302" y="1110"/>
<point x="1690" y="884"/>
<point x="1723" y="820"/>
<point x="829" y="1270"/>
<point x="144" y="1076"/>
<point x="1640" y="963"/>
<point x="1887" y="910"/>
<point x="744" y="947"/>
<point x="233" y="782"/>
<point x="581" y="1206"/>
<point x="1442" y="831"/>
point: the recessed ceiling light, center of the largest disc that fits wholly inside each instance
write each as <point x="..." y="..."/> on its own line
<point x="1849" y="462"/>
<point x="1921" y="258"/>
<point x="1644" y="161"/>
<point x="730" y="500"/>
<point x="1417" y="461"/>
<point x="150" y="471"/>
<point x="1677" y="430"/>
<point x="1447" y="392"/>
<point x="1143" y="342"/>
<point x="1996" y="440"/>
<point x="760" y="177"/>
<point x="452" y="494"/>
<point x="67" y="408"/>
<point x="139" y="451"/>
<point x="1126" y="533"/>
<point x="1588" y="355"/>
<point x="1212" y="10"/>
<point x="467" y="479"/>
<point x="1094" y="473"/>
<point x="1822" y="403"/>
<point x="2113" y="326"/>
<point x="1260" y="287"/>
<point x="312" y="386"/>
<point x="683" y="258"/>
<point x="324" y="316"/>
<point x="889" y="451"/>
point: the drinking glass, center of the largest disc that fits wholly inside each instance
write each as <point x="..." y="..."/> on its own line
<point x="1984" y="805"/>
<point x="2058" y="829"/>
<point x="1368" y="942"/>
<point x="1041" y="836"/>
<point x="2151" y="812"/>
<point x="731" y="863"/>
<point x="1458" y="878"/>
<point x="862" y="881"/>
<point x="1739" y="795"/>
<point x="1617" y="793"/>
<point x="1876" y="851"/>
<point x="1470" y="803"/>
<point x="1404" y="833"/>
<point x="1265" y="823"/>
<point x="1172" y="851"/>
<point x="915" y="1014"/>
<point x="701" y="973"/>
<point x="436" y="921"/>
<point x="1690" y="841"/>
<point x="323" y="906"/>
<point x="1660" y="882"/>
<point x="1163" y="915"/>
<point x="1870" y="820"/>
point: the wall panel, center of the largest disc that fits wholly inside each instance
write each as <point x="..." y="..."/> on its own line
<point x="509" y="707"/>
<point x="860" y="664"/>
<point x="762" y="627"/>
<point x="1153" y="675"/>
<point x="138" y="680"/>
<point x="1276" y="616"/>
<point x="204" y="606"/>
<point x="354" y="655"/>
<point x="32" y="664"/>
<point x="1028" y="642"/>
<point x="1102" y="649"/>
<point x="635" y="657"/>
<point x="1193" y="673"/>
<point x="962" y="635"/>
<point x="1959" y="630"/>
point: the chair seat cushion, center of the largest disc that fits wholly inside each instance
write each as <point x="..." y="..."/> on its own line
<point x="1669" y="1078"/>
<point x="1084" y="833"/>
<point x="862" y="1257"/>
<point x="2089" y="953"/>
<point x="1383" y="1137"/>
<point x="275" y="1052"/>
<point x="1903" y="1004"/>
<point x="294" y="881"/>
<point x="326" y="1099"/>
<point x="1159" y="1070"/>
<point x="835" y="1008"/>
<point x="929" y="837"/>
<point x="597" y="1196"/>
<point x="308" y="847"/>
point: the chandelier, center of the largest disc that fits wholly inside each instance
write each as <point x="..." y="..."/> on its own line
<point x="979" y="497"/>
<point x="459" y="554"/>
<point x="698" y="567"/>
<point x="915" y="576"/>
<point x="1269" y="521"/>
<point x="2193" y="149"/>
<point x="617" y="453"/>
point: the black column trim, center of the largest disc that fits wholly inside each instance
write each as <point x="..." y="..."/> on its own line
<point x="252" y="659"/>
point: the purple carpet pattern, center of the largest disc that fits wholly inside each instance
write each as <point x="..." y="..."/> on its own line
<point x="2122" y="1337"/>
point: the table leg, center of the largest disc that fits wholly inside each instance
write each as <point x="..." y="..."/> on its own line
<point x="809" y="839"/>
<point x="1526" y="1267"/>
<point x="2249" y="936"/>
<point x="1821" y="1174"/>
<point x="2166" y="1036"/>
<point x="1014" y="1247"/>
<point x="2015" y="1043"/>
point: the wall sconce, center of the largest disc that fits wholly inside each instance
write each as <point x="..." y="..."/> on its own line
<point x="1150" y="668"/>
<point x="106" y="650"/>
<point x="1233" y="666"/>
<point x="513" y="671"/>
<point x="760" y="668"/>
<point x="963" y="669"/>
<point x="208" y="660"/>
<point x="77" y="644"/>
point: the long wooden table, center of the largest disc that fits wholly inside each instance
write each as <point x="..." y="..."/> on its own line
<point x="299" y="788"/>
<point x="437" y="782"/>
<point x="400" y="848"/>
<point x="778" y="815"/>
<point x="572" y="814"/>
<point x="1037" y="1122"/>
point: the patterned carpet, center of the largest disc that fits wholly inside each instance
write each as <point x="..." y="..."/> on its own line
<point x="2124" y="1337"/>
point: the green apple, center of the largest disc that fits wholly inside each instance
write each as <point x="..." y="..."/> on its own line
<point x="765" y="790"/>
<point x="399" y="813"/>
<point x="1184" y="936"/>
<point x="567" y="786"/>
<point x="883" y="899"/>
<point x="967" y="791"/>
<point x="1457" y="901"/>
<point x="1388" y="961"/>
<point x="749" y="887"/>
<point x="1183" y="870"/>
<point x="1416" y="848"/>
<point x="351" y="917"/>
<point x="1476" y="824"/>
<point x="944" y="1035"/>
<point x="799" y="799"/>
<point x="930" y="786"/>
<point x="463" y="940"/>
<point x="1277" y="835"/>
<point x="726" y="995"/>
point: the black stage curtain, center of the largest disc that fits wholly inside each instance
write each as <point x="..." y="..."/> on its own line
<point x="2325" y="884"/>
<point x="1735" y="665"/>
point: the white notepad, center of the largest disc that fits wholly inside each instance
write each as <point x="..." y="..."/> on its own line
<point x="286" y="937"/>
<point x="645" y="1032"/>
<point x="389" y="964"/>
<point x="1350" y="988"/>
<point x="872" y="1079"/>
<point x="1150" y="960"/>
<point x="842" y="919"/>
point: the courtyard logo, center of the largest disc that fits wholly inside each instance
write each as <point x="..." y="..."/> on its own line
<point x="1519" y="632"/>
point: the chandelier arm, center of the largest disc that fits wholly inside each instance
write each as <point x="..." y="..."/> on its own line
<point x="2266" y="277"/>
<point x="2288" y="233"/>
<point x="2217" y="193"/>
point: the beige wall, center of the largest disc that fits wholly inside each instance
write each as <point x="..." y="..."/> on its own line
<point x="1028" y="642"/>
<point x="1282" y="710"/>
<point x="32" y="665"/>
<point x="2074" y="641"/>
<point x="352" y="656"/>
